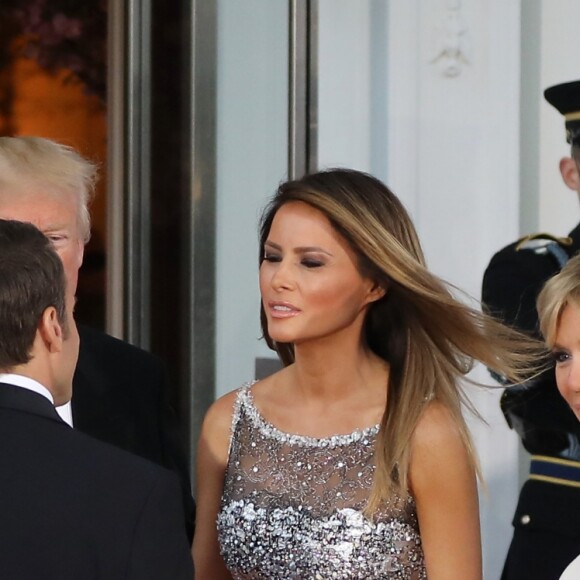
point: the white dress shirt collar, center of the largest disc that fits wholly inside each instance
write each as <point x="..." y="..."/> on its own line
<point x="65" y="412"/>
<point x="26" y="383"/>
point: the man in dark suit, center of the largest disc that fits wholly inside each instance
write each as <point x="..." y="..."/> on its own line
<point x="71" y="507"/>
<point x="120" y="391"/>
<point x="547" y="518"/>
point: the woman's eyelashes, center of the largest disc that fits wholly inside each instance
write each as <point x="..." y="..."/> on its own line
<point x="308" y="262"/>
<point x="311" y="262"/>
<point x="560" y="356"/>
<point x="268" y="257"/>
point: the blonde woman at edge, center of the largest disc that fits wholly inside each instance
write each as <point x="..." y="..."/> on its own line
<point x="559" y="316"/>
<point x="354" y="460"/>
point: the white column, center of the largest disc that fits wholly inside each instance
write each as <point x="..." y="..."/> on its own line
<point x="454" y="158"/>
<point x="558" y="210"/>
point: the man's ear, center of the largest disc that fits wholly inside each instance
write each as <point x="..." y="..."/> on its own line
<point x="50" y="330"/>
<point x="80" y="252"/>
<point x="569" y="172"/>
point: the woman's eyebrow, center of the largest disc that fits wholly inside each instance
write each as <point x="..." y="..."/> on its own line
<point x="299" y="249"/>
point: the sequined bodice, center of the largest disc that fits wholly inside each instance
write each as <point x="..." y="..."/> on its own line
<point x="292" y="507"/>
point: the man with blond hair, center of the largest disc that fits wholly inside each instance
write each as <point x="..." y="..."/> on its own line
<point x="120" y="392"/>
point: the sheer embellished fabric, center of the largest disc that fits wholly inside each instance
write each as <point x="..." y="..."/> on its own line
<point x="292" y="507"/>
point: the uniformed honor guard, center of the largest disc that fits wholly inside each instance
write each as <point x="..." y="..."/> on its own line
<point x="547" y="519"/>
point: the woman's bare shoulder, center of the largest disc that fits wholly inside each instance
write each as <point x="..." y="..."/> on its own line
<point x="217" y="425"/>
<point x="436" y="427"/>
<point x="220" y="413"/>
<point x="438" y="447"/>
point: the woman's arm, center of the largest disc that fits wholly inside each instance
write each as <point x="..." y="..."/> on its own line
<point x="444" y="485"/>
<point x="212" y="458"/>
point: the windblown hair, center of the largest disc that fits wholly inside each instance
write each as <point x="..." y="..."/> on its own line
<point x="559" y="291"/>
<point x="426" y="335"/>
<point x="47" y="166"/>
<point x="31" y="280"/>
<point x="575" y="149"/>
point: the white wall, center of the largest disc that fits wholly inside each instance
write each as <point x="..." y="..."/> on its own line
<point x="451" y="154"/>
<point x="344" y="84"/>
<point x="462" y="169"/>
<point x="353" y="85"/>
<point x="251" y="161"/>
<point x="559" y="62"/>
<point x="477" y="161"/>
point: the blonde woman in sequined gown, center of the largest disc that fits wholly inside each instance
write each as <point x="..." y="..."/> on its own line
<point x="353" y="462"/>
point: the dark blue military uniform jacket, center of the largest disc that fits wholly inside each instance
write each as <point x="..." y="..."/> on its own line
<point x="547" y="519"/>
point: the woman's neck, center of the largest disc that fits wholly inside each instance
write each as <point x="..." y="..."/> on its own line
<point x="327" y="371"/>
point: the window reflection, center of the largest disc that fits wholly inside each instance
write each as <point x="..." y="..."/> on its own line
<point x="53" y="85"/>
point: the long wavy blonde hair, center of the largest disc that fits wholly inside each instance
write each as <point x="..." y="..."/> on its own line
<point x="427" y="336"/>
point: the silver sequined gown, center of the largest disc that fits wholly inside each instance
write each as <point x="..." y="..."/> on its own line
<point x="292" y="507"/>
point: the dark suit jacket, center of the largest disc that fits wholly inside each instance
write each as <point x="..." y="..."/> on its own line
<point x="75" y="508"/>
<point x="120" y="396"/>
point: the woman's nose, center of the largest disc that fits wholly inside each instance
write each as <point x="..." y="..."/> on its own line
<point x="281" y="279"/>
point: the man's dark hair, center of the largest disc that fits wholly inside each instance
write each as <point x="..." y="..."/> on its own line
<point x="31" y="279"/>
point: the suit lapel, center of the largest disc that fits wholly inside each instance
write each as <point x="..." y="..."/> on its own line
<point x="94" y="405"/>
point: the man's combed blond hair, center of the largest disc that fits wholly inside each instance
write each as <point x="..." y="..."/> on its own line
<point x="28" y="163"/>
